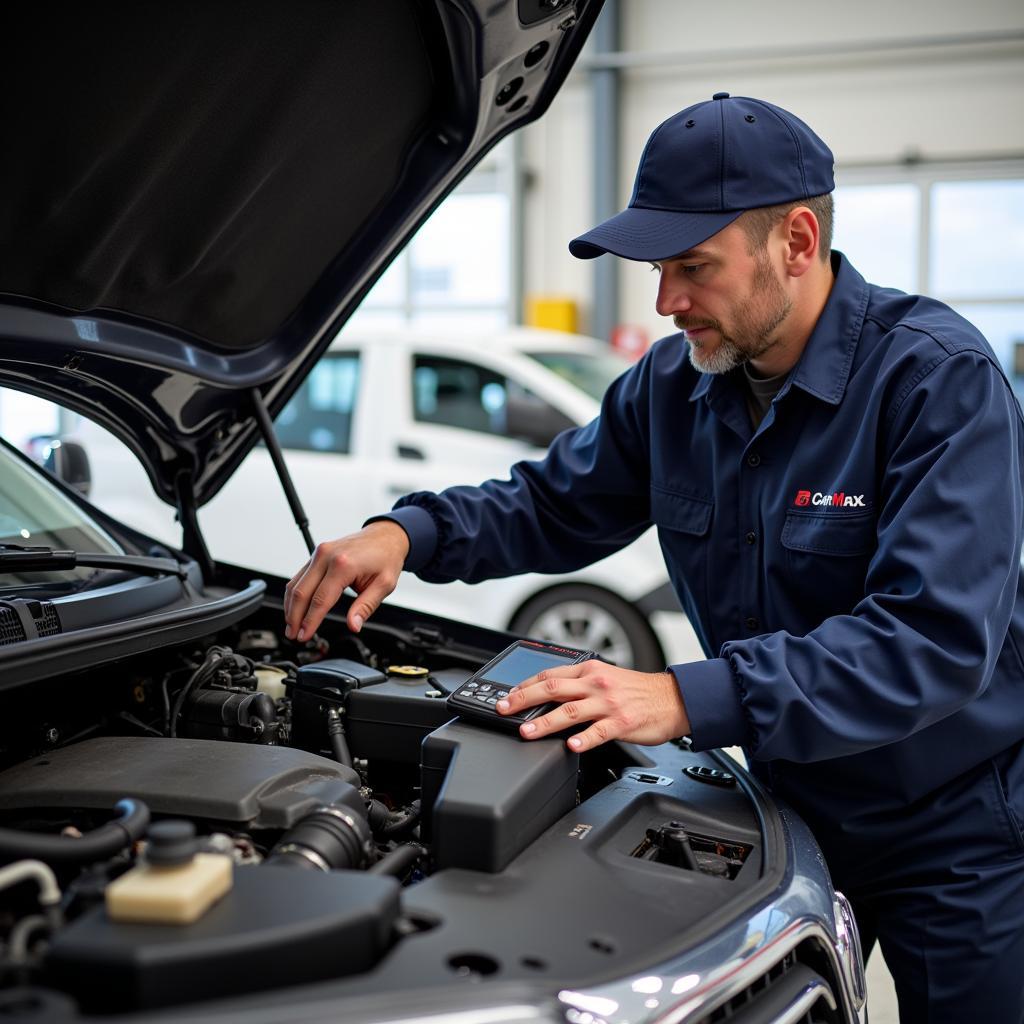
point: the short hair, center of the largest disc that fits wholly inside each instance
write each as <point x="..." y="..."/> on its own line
<point x="758" y="223"/>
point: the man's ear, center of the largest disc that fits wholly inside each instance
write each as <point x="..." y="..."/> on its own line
<point x="800" y="236"/>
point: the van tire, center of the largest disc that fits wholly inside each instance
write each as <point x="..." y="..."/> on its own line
<point x="588" y="617"/>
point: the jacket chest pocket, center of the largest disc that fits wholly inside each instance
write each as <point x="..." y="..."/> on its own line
<point x="827" y="556"/>
<point x="681" y="512"/>
<point x="683" y="523"/>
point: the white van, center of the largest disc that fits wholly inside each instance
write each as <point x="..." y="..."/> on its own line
<point x="385" y="414"/>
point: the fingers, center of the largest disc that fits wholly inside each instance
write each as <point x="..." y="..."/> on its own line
<point x="289" y="598"/>
<point x="314" y="591"/>
<point x="619" y="703"/>
<point x="369" y="561"/>
<point x="369" y="601"/>
<point x="579" y="688"/>
<point x="597" y="734"/>
<point x="551" y="684"/>
<point x="570" y="714"/>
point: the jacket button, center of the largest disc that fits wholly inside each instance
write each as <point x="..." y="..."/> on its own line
<point x="753" y="459"/>
<point x="752" y="624"/>
<point x="751" y="537"/>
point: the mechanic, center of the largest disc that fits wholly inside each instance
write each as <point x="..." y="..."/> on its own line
<point x="835" y="472"/>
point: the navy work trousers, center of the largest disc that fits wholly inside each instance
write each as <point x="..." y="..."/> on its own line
<point x="940" y="885"/>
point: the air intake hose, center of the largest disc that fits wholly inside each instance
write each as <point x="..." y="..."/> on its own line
<point x="337" y="836"/>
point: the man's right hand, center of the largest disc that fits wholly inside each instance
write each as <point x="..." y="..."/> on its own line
<point x="369" y="561"/>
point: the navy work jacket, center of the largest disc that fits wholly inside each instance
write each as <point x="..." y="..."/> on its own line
<point x="852" y="566"/>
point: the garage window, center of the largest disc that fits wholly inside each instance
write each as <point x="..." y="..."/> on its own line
<point x="956" y="233"/>
<point x="457" y="272"/>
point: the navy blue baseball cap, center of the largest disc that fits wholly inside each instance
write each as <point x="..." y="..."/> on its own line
<point x="702" y="168"/>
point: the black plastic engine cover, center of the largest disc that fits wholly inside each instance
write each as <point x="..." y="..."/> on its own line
<point x="488" y="795"/>
<point x="276" y="927"/>
<point x="319" y="687"/>
<point x="389" y="721"/>
<point x="237" y="783"/>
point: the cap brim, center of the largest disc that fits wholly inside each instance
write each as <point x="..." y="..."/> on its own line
<point x="640" y="234"/>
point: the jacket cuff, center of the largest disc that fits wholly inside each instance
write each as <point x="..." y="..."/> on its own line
<point x="711" y="695"/>
<point x="419" y="526"/>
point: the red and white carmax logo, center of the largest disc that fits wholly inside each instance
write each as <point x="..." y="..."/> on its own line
<point x="804" y="498"/>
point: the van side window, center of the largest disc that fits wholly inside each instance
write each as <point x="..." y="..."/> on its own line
<point x="319" y="416"/>
<point x="454" y="393"/>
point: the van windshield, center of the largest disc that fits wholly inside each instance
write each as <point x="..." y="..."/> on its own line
<point x="590" y="372"/>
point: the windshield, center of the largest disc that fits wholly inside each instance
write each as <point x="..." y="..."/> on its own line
<point x="590" y="372"/>
<point x="35" y="513"/>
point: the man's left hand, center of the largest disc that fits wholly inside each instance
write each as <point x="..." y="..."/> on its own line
<point x="640" y="707"/>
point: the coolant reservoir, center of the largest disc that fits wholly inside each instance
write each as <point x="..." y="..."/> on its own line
<point x="270" y="680"/>
<point x="177" y="885"/>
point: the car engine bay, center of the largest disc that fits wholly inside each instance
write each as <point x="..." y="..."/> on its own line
<point x="374" y="842"/>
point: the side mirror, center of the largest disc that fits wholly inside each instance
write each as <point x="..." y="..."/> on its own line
<point x="66" y="460"/>
<point x="531" y="419"/>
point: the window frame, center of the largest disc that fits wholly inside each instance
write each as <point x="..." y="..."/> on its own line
<point x="500" y="174"/>
<point x="925" y="176"/>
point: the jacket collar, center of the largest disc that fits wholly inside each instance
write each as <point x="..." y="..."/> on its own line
<point x="824" y="366"/>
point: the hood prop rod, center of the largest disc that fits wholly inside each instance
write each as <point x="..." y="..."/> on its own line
<point x="192" y="542"/>
<point x="270" y="439"/>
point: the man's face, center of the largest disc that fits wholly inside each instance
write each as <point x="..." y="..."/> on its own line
<point x="731" y="304"/>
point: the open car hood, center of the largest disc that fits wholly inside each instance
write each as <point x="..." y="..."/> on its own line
<point x="196" y="196"/>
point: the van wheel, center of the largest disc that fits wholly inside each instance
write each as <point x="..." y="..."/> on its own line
<point x="594" y="620"/>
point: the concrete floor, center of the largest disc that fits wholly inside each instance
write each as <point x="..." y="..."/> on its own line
<point x="882" y="1008"/>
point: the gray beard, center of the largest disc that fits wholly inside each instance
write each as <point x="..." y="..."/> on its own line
<point x="726" y="357"/>
<point x="732" y="352"/>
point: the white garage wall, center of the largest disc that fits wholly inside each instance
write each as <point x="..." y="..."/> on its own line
<point x="880" y="81"/>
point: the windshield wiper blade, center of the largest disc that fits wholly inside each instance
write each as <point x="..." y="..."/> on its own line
<point x="28" y="558"/>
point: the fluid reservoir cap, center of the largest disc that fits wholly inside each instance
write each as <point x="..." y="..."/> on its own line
<point x="409" y="671"/>
<point x="171" y="843"/>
